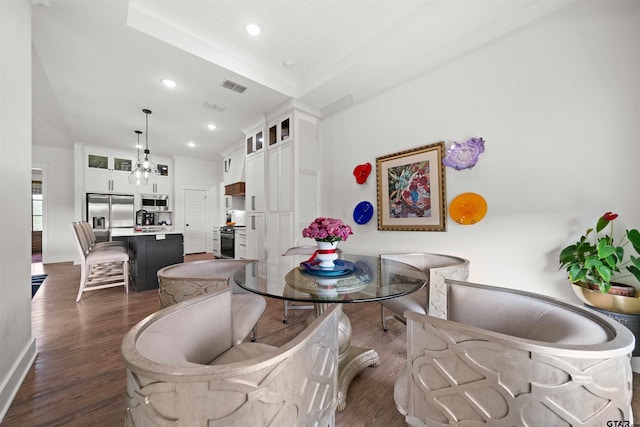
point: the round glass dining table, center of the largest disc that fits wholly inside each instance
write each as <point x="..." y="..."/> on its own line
<point x="354" y="278"/>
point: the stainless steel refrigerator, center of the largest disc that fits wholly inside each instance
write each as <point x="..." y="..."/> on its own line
<point x="108" y="211"/>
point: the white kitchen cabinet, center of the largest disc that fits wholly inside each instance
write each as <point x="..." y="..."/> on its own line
<point x="255" y="184"/>
<point x="292" y="169"/>
<point x="216" y="243"/>
<point x="107" y="171"/>
<point x="158" y="185"/>
<point x="280" y="130"/>
<point x="240" y="242"/>
<point x="106" y="181"/>
<point x="254" y="141"/>
<point x="256" y="239"/>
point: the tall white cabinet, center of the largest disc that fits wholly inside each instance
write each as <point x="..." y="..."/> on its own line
<point x="282" y="187"/>
<point x="292" y="165"/>
<point x="255" y="197"/>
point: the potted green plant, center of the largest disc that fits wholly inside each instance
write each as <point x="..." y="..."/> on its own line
<point x="597" y="261"/>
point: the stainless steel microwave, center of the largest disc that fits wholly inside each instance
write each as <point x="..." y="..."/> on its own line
<point x="155" y="202"/>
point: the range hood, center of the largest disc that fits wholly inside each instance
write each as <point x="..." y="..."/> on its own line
<point x="235" y="189"/>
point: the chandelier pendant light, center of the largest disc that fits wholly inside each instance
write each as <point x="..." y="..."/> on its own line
<point x="149" y="167"/>
<point x="137" y="173"/>
<point x="145" y="166"/>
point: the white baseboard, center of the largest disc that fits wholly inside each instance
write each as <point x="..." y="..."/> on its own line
<point x="11" y="384"/>
<point x="58" y="259"/>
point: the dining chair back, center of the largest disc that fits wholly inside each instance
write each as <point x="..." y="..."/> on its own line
<point x="438" y="267"/>
<point x="184" y="369"/>
<point x="186" y="280"/>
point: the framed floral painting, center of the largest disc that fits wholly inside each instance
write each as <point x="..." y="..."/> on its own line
<point x="411" y="190"/>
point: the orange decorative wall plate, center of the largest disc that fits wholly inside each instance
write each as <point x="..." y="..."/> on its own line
<point x="468" y="208"/>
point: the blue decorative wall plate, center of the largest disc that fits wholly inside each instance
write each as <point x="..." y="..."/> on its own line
<point x="363" y="212"/>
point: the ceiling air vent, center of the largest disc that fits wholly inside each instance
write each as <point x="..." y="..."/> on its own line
<point x="214" y="107"/>
<point x="234" y="86"/>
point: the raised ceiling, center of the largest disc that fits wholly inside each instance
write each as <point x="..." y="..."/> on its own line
<point x="97" y="64"/>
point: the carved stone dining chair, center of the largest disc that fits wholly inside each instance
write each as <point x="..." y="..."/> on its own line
<point x="504" y="357"/>
<point x="186" y="280"/>
<point x="183" y="368"/>
<point x="438" y="267"/>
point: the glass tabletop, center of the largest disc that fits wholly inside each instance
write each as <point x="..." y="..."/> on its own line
<point x="355" y="278"/>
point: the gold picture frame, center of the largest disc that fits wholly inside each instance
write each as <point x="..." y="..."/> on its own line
<point x="411" y="189"/>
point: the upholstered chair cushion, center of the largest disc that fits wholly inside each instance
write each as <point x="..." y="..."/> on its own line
<point x="247" y="308"/>
<point x="193" y="335"/>
<point x="522" y="316"/>
<point x="241" y="352"/>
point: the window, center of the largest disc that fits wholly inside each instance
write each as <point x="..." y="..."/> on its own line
<point x="36" y="205"/>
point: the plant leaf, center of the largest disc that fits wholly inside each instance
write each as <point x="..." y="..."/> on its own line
<point x="605" y="249"/>
<point x="576" y="273"/>
<point x="634" y="238"/>
<point x="602" y="223"/>
<point x="635" y="271"/>
<point x="635" y="268"/>
<point x="612" y="261"/>
<point x="568" y="254"/>
<point x="604" y="272"/>
<point x="620" y="253"/>
<point x="591" y="261"/>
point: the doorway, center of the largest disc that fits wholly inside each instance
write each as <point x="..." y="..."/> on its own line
<point x="195" y="230"/>
<point x="37" y="215"/>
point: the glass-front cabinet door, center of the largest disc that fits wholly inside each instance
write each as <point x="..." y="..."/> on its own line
<point x="96" y="161"/>
<point x="280" y="131"/>
<point x="255" y="140"/>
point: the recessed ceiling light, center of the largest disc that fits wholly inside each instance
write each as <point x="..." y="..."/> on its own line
<point x="191" y="144"/>
<point x="253" y="29"/>
<point x="169" y="83"/>
<point x="211" y="126"/>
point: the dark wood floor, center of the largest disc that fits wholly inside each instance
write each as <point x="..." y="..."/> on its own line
<point x="78" y="378"/>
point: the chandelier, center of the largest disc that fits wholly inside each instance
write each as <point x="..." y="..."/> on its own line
<point x="145" y="167"/>
<point x="137" y="175"/>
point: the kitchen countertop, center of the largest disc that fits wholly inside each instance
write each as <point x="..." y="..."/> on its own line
<point x="118" y="232"/>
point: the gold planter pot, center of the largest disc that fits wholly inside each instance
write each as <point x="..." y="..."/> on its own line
<point x="615" y="303"/>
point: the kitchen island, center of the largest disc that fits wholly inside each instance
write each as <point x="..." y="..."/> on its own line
<point x="149" y="251"/>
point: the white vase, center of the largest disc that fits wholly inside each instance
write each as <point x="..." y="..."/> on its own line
<point x="326" y="254"/>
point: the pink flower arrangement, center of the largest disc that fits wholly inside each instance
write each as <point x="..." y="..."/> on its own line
<point x="327" y="230"/>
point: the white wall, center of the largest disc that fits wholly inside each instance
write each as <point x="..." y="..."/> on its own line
<point x="558" y="105"/>
<point x="58" y="176"/>
<point x="192" y="174"/>
<point x="17" y="349"/>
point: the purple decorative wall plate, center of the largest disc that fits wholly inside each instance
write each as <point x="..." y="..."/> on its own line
<point x="464" y="155"/>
